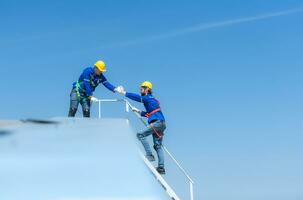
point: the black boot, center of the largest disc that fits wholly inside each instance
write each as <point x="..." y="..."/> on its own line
<point x="151" y="157"/>
<point x="86" y="113"/>
<point x="161" y="170"/>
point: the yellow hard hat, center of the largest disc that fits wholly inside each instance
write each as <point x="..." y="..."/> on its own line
<point x="147" y="84"/>
<point x="100" y="65"/>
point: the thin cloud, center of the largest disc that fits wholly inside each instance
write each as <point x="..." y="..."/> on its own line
<point x="206" y="26"/>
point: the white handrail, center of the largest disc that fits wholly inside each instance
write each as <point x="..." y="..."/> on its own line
<point x="129" y="105"/>
<point x="110" y="100"/>
<point x="161" y="180"/>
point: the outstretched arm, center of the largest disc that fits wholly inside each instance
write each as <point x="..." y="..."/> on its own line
<point x="138" y="98"/>
<point x="133" y="96"/>
<point x="107" y="84"/>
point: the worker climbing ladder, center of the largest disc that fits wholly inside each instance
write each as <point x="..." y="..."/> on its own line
<point x="169" y="190"/>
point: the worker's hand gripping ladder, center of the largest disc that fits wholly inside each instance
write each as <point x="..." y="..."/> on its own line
<point x="129" y="107"/>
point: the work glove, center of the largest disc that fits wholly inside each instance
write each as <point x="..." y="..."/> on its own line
<point x="94" y="99"/>
<point x="120" y="90"/>
<point x="117" y="89"/>
<point x="134" y="109"/>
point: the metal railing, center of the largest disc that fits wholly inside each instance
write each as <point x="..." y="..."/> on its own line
<point x="129" y="107"/>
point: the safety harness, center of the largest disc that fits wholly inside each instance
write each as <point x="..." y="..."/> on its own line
<point x="157" y="133"/>
<point x="79" y="88"/>
<point x="154" y="111"/>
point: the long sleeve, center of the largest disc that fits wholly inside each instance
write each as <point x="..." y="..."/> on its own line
<point x="143" y="113"/>
<point x="107" y="84"/>
<point x="134" y="97"/>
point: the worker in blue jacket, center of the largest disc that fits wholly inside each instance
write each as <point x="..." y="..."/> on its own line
<point x="82" y="91"/>
<point x="156" y="122"/>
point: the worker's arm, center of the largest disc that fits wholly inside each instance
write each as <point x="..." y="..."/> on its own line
<point x="137" y="98"/>
<point x="134" y="97"/>
<point x="107" y="84"/>
<point x="145" y="101"/>
<point x="143" y="113"/>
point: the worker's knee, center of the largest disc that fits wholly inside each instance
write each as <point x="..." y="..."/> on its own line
<point x="73" y="96"/>
<point x="140" y="136"/>
<point x="86" y="113"/>
<point x="72" y="112"/>
<point x="157" y="147"/>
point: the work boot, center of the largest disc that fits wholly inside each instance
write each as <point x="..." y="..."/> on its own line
<point x="161" y="170"/>
<point x="86" y="113"/>
<point x="151" y="157"/>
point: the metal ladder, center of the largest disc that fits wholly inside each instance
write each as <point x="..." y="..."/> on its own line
<point x="129" y="107"/>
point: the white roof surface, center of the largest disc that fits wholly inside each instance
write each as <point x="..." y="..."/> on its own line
<point x="76" y="159"/>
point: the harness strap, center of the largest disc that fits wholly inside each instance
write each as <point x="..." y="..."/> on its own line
<point x="159" y="135"/>
<point x="152" y="112"/>
<point x="78" y="88"/>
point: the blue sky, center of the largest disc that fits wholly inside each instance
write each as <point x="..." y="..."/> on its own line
<point x="228" y="75"/>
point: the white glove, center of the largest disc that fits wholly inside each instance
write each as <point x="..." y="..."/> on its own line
<point x="134" y="109"/>
<point x="117" y="89"/>
<point x="94" y="99"/>
<point x="120" y="90"/>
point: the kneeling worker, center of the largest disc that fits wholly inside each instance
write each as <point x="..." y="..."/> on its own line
<point x="156" y="122"/>
<point x="82" y="91"/>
